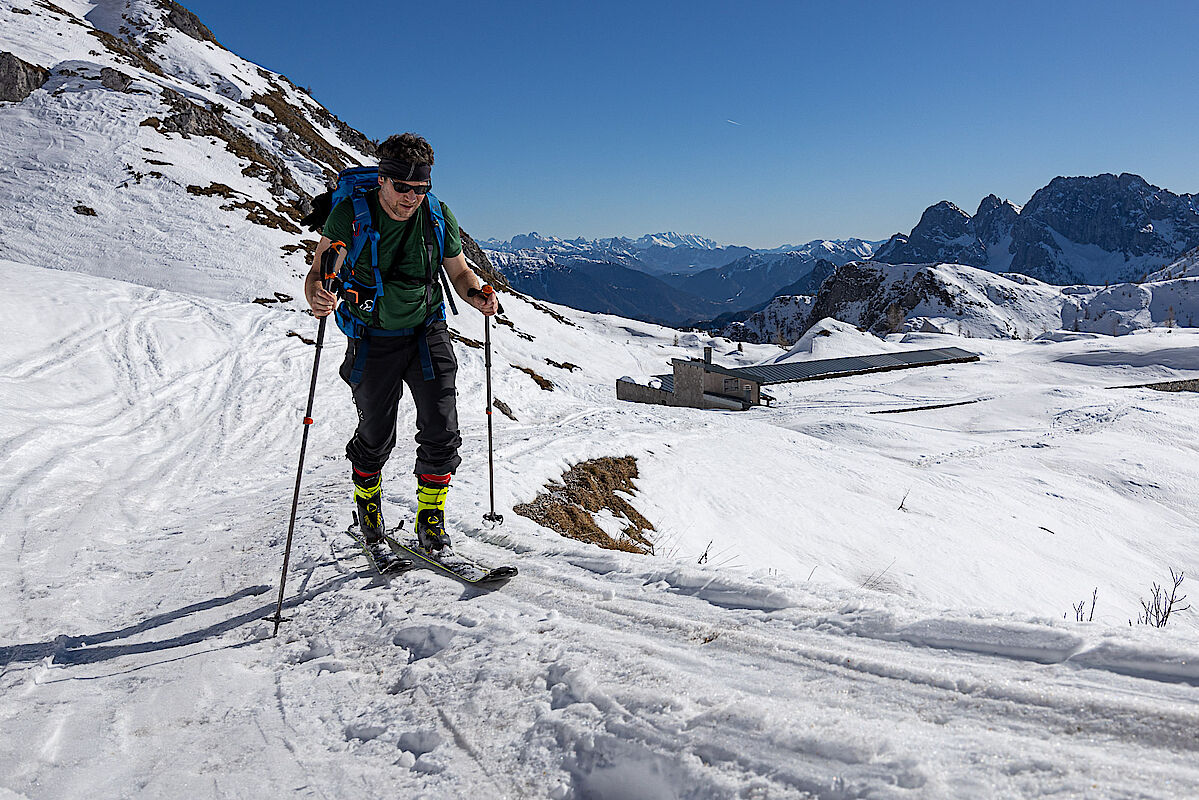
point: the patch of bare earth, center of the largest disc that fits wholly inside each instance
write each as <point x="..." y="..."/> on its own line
<point x="587" y="488"/>
<point x="546" y="385"/>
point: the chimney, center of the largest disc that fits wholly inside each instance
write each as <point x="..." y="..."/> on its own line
<point x="707" y="355"/>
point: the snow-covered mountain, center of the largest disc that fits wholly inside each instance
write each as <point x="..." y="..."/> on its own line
<point x="129" y="123"/>
<point x="655" y="254"/>
<point x="839" y="603"/>
<point x="610" y="285"/>
<point x="967" y="301"/>
<point x="1094" y="230"/>
<point x="759" y="276"/>
<point x="620" y="244"/>
<point x="589" y="274"/>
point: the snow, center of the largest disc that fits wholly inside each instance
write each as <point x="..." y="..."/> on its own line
<point x="842" y="604"/>
<point x="831" y="338"/>
<point x="832" y="644"/>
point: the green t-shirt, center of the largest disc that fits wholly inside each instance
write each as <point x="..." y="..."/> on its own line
<point x="403" y="259"/>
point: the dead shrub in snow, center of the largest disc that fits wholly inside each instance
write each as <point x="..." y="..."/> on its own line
<point x="1080" y="608"/>
<point x="1160" y="606"/>
<point x="587" y="488"/>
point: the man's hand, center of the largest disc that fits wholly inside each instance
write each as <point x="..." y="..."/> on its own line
<point x="486" y="301"/>
<point x="319" y="299"/>
<point x="322" y="302"/>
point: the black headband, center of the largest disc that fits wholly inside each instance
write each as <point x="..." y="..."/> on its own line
<point x="403" y="171"/>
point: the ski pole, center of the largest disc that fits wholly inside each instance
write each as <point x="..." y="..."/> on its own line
<point x="487" y="291"/>
<point x="328" y="272"/>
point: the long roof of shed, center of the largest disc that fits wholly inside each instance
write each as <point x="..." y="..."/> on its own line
<point x="832" y="367"/>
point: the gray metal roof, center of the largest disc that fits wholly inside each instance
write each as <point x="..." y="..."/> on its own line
<point x="834" y="367"/>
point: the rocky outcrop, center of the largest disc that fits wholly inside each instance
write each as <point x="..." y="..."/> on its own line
<point x="183" y="20"/>
<point x="876" y="298"/>
<point x="189" y="119"/>
<point x="115" y="80"/>
<point x="1125" y="215"/>
<point x="946" y="234"/>
<point x="1101" y="229"/>
<point x="483" y="266"/>
<point x="19" y="79"/>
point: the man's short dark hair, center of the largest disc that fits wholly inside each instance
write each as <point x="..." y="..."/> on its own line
<point x="407" y="147"/>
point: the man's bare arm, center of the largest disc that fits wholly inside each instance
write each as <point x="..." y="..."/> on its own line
<point x="465" y="279"/>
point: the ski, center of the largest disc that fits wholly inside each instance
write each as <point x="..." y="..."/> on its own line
<point x="382" y="558"/>
<point x="448" y="561"/>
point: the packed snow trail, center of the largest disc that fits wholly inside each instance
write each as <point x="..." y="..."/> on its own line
<point x="149" y="444"/>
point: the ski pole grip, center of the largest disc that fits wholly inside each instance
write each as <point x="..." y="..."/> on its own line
<point x="486" y="291"/>
<point x="330" y="262"/>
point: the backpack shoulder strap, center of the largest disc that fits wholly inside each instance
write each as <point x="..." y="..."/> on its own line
<point x="363" y="231"/>
<point x="438" y="218"/>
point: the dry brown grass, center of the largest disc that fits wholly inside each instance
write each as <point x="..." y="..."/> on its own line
<point x="466" y="340"/>
<point x="545" y="385"/>
<point x="586" y="488"/>
<point x="308" y="246"/>
<point x="261" y="215"/>
<point x="214" y="189"/>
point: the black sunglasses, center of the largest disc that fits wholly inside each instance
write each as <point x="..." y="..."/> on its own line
<point x="401" y="187"/>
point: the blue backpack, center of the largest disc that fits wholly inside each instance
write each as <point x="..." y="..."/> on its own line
<point x="353" y="184"/>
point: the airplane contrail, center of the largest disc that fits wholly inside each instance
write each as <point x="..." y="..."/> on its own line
<point x="732" y="122"/>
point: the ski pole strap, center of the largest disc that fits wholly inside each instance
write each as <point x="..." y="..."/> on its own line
<point x="329" y="264"/>
<point x="449" y="295"/>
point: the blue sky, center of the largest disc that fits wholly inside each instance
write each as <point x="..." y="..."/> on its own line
<point x="613" y="118"/>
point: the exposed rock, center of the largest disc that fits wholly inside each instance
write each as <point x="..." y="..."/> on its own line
<point x="115" y="80"/>
<point x="994" y="220"/>
<point x="866" y="287"/>
<point x="19" y="79"/>
<point x="183" y="20"/>
<point x="189" y="119"/>
<point x="127" y="51"/>
<point x="482" y="266"/>
<point x="298" y="134"/>
<point x="347" y="134"/>
<point x="1105" y="228"/>
<point x="944" y="234"/>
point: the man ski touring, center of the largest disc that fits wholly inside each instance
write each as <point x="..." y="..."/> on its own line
<point x="393" y="314"/>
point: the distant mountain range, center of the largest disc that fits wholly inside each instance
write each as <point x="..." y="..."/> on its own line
<point x="678" y="280"/>
<point x="1091" y="231"/>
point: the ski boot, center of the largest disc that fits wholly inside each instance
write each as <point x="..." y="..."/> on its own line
<point x="430" y="531"/>
<point x="431" y="492"/>
<point x="368" y="497"/>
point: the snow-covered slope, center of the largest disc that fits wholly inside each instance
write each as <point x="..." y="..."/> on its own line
<point x="885" y="604"/>
<point x="1185" y="267"/>
<point x="841" y="603"/>
<point x="830" y="338"/>
<point x="966" y="301"/>
<point x="183" y="166"/>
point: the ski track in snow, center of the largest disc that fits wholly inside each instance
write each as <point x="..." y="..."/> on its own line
<point x="149" y="444"/>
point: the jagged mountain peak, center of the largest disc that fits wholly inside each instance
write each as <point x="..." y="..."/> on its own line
<point x="1098" y="229"/>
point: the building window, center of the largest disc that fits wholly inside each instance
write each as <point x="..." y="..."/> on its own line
<point x="731" y="385"/>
